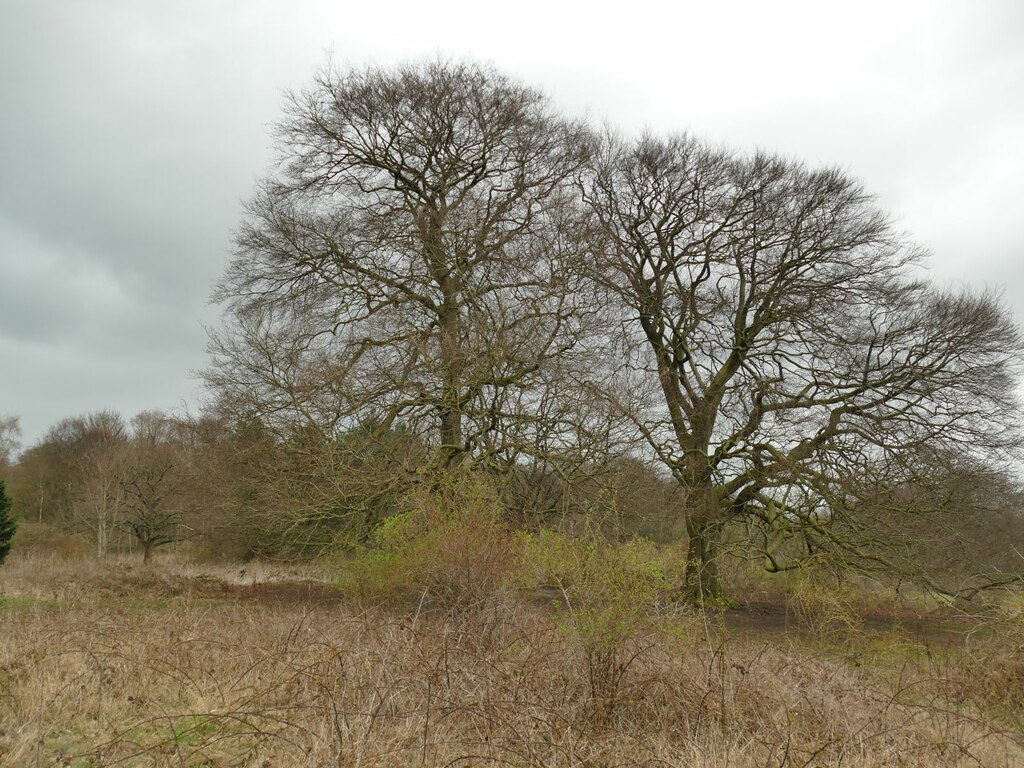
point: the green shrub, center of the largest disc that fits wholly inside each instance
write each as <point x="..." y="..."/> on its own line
<point x="824" y="600"/>
<point x="447" y="548"/>
<point x="609" y="596"/>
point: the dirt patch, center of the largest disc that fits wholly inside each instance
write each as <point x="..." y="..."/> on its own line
<point x="274" y="592"/>
<point x="777" y="616"/>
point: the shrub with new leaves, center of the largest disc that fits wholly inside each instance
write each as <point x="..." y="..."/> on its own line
<point x="824" y="600"/>
<point x="448" y="548"/>
<point x="609" y="595"/>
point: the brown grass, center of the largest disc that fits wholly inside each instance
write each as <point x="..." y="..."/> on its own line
<point x="179" y="666"/>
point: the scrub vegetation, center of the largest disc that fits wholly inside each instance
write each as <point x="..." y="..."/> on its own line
<point x="568" y="654"/>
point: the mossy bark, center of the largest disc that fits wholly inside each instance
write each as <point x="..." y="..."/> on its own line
<point x="702" y="582"/>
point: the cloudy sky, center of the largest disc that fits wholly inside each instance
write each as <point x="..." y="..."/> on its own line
<point x="131" y="130"/>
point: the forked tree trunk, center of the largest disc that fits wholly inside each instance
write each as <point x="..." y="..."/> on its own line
<point x="703" y="584"/>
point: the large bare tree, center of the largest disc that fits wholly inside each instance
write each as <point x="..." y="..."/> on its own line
<point x="414" y="261"/>
<point x="789" y="350"/>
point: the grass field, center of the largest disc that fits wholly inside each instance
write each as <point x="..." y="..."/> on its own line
<point x="105" y="664"/>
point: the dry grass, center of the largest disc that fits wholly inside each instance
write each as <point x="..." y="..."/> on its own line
<point x="101" y="666"/>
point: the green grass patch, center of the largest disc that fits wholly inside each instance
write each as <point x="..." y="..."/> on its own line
<point x="15" y="603"/>
<point x="173" y="734"/>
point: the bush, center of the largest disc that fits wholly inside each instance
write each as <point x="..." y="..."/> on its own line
<point x="824" y="600"/>
<point x="992" y="667"/>
<point x="447" y="549"/>
<point x="609" y="593"/>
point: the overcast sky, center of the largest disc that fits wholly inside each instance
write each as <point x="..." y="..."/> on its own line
<point x="130" y="132"/>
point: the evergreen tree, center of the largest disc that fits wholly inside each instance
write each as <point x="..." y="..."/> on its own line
<point x="7" y="524"/>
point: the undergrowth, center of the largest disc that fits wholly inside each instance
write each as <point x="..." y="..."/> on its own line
<point x="455" y="643"/>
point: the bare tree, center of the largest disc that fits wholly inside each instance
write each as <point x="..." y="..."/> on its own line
<point x="416" y="262"/>
<point x="946" y="521"/>
<point x="772" y="309"/>
<point x="152" y="494"/>
<point x="98" y="463"/>
<point x="10" y="440"/>
<point x="49" y="473"/>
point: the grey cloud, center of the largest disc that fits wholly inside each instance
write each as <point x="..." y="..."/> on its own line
<point x="130" y="131"/>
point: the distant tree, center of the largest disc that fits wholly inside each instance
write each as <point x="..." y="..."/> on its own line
<point x="779" y="348"/>
<point x="125" y="484"/>
<point x="151" y="496"/>
<point x="71" y="478"/>
<point x="309" y="493"/>
<point x="8" y="526"/>
<point x="99" y="464"/>
<point x="954" y="525"/>
<point x="10" y="434"/>
<point x="44" y="479"/>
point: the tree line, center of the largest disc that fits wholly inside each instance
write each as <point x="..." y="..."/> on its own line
<point x="444" y="272"/>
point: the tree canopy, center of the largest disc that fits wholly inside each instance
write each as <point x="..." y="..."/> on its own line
<point x="415" y="259"/>
<point x="784" y="347"/>
<point x="440" y="252"/>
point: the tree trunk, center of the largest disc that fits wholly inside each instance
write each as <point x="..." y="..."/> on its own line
<point x="101" y="536"/>
<point x="147" y="552"/>
<point x="703" y="585"/>
<point x="451" y="363"/>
